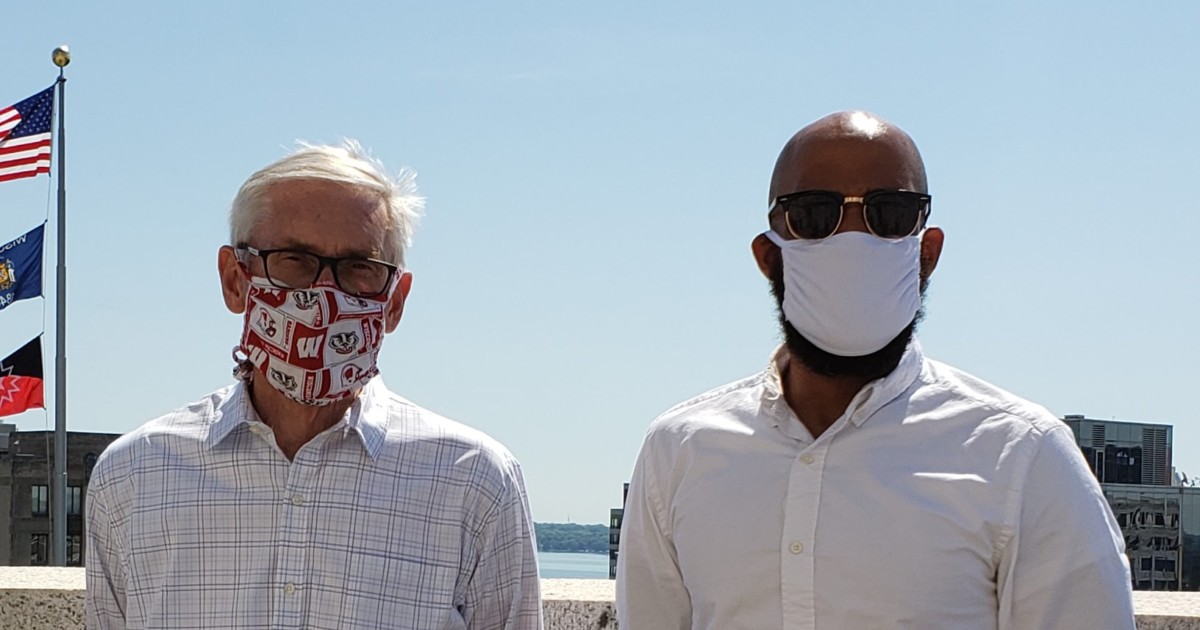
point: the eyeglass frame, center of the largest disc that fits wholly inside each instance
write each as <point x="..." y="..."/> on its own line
<point x="921" y="220"/>
<point x="322" y="262"/>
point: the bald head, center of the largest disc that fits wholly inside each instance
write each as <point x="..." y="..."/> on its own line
<point x="851" y="153"/>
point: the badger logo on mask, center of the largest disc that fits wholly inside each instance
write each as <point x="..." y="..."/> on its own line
<point x="343" y="343"/>
<point x="305" y="300"/>
<point x="286" y="381"/>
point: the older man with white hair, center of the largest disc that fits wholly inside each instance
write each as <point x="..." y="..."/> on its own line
<point x="307" y="495"/>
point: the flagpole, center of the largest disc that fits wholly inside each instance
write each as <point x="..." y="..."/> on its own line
<point x="61" y="57"/>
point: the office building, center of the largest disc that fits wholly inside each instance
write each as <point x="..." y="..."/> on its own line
<point x="26" y="484"/>
<point x="615" y="516"/>
<point x="1158" y="515"/>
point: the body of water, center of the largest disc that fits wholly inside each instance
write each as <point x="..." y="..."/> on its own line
<point x="573" y="565"/>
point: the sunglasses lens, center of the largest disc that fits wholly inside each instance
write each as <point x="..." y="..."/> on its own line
<point x="813" y="216"/>
<point x="895" y="214"/>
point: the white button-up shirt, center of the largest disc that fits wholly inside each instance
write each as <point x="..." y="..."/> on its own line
<point x="936" y="502"/>
<point x="393" y="518"/>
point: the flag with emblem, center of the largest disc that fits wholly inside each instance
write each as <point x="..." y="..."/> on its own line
<point x="21" y="379"/>
<point x="25" y="136"/>
<point x="21" y="267"/>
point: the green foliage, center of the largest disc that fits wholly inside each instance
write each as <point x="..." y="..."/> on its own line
<point x="571" y="537"/>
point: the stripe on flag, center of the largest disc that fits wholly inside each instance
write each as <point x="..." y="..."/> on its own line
<point x="25" y="136"/>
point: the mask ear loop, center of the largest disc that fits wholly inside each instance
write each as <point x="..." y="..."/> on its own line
<point x="243" y="369"/>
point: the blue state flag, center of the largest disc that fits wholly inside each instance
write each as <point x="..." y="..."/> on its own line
<point x="21" y="267"/>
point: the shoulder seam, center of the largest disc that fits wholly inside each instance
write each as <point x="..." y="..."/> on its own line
<point x="1033" y="421"/>
<point x="713" y="393"/>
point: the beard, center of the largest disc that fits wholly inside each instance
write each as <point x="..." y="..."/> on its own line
<point x="871" y="366"/>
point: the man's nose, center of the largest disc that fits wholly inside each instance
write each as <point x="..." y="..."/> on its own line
<point x="325" y="274"/>
<point x="853" y="218"/>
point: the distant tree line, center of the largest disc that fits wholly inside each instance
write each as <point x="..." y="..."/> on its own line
<point x="571" y="537"/>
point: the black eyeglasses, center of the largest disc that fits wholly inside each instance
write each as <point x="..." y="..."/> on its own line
<point x="816" y="214"/>
<point x="298" y="269"/>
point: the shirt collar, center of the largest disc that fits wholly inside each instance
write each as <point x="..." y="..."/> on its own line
<point x="862" y="407"/>
<point x="367" y="417"/>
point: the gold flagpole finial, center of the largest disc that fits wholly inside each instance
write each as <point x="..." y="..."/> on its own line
<point x="61" y="56"/>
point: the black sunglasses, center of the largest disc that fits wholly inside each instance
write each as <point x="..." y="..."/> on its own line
<point x="816" y="214"/>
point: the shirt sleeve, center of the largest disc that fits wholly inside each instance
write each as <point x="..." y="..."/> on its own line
<point x="651" y="594"/>
<point x="104" y="602"/>
<point x="1065" y="565"/>
<point x="504" y="593"/>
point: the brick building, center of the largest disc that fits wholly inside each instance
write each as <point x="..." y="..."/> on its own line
<point x="26" y="484"/>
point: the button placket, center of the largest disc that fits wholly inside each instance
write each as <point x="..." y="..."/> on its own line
<point x="799" y="532"/>
<point x="295" y="532"/>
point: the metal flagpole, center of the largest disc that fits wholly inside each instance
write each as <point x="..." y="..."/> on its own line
<point x="61" y="57"/>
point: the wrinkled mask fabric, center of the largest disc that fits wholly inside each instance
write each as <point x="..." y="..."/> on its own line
<point x="316" y="345"/>
<point x="852" y="293"/>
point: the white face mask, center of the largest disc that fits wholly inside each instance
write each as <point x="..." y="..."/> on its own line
<point x="851" y="293"/>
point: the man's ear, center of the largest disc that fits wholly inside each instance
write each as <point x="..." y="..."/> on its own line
<point x="766" y="254"/>
<point x="395" y="305"/>
<point x="234" y="284"/>
<point x="931" y="250"/>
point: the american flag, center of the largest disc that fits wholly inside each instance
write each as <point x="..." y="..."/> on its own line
<point x="25" y="136"/>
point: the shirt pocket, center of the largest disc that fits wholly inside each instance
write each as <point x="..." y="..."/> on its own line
<point x="382" y="589"/>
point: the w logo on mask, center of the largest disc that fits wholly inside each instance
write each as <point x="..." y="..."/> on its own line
<point x="309" y="347"/>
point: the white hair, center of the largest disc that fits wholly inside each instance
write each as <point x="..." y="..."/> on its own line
<point x="348" y="164"/>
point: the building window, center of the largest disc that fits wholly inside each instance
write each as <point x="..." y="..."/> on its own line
<point x="39" y="548"/>
<point x="74" y="549"/>
<point x="74" y="500"/>
<point x="41" y="501"/>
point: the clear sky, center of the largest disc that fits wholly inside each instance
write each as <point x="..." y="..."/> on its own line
<point x="595" y="173"/>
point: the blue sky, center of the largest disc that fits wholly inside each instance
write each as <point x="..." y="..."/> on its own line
<point x="594" y="177"/>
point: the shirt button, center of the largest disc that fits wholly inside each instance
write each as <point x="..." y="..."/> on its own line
<point x="289" y="588"/>
<point x="797" y="547"/>
<point x="806" y="459"/>
<point x="297" y="499"/>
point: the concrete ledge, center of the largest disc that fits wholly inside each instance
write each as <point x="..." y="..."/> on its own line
<point x="37" y="598"/>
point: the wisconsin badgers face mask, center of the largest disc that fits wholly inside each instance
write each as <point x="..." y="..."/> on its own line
<point x="316" y="345"/>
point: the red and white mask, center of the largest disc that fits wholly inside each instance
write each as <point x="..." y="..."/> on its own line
<point x="316" y="345"/>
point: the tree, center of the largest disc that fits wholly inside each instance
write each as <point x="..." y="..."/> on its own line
<point x="571" y="537"/>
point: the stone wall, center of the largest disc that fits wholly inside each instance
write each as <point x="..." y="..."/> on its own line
<point x="52" y="598"/>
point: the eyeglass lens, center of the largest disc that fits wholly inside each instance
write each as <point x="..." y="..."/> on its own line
<point x="893" y="215"/>
<point x="299" y="270"/>
<point x="813" y="216"/>
<point x="816" y="215"/>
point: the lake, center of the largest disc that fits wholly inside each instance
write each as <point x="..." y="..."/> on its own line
<point x="573" y="565"/>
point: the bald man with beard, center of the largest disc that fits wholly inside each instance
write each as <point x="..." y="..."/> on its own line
<point x="855" y="483"/>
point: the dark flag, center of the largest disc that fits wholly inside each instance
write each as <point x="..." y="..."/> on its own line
<point x="25" y="136"/>
<point x="21" y="379"/>
<point x="21" y="267"/>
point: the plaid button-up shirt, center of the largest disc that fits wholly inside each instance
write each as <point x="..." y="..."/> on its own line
<point x="393" y="518"/>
